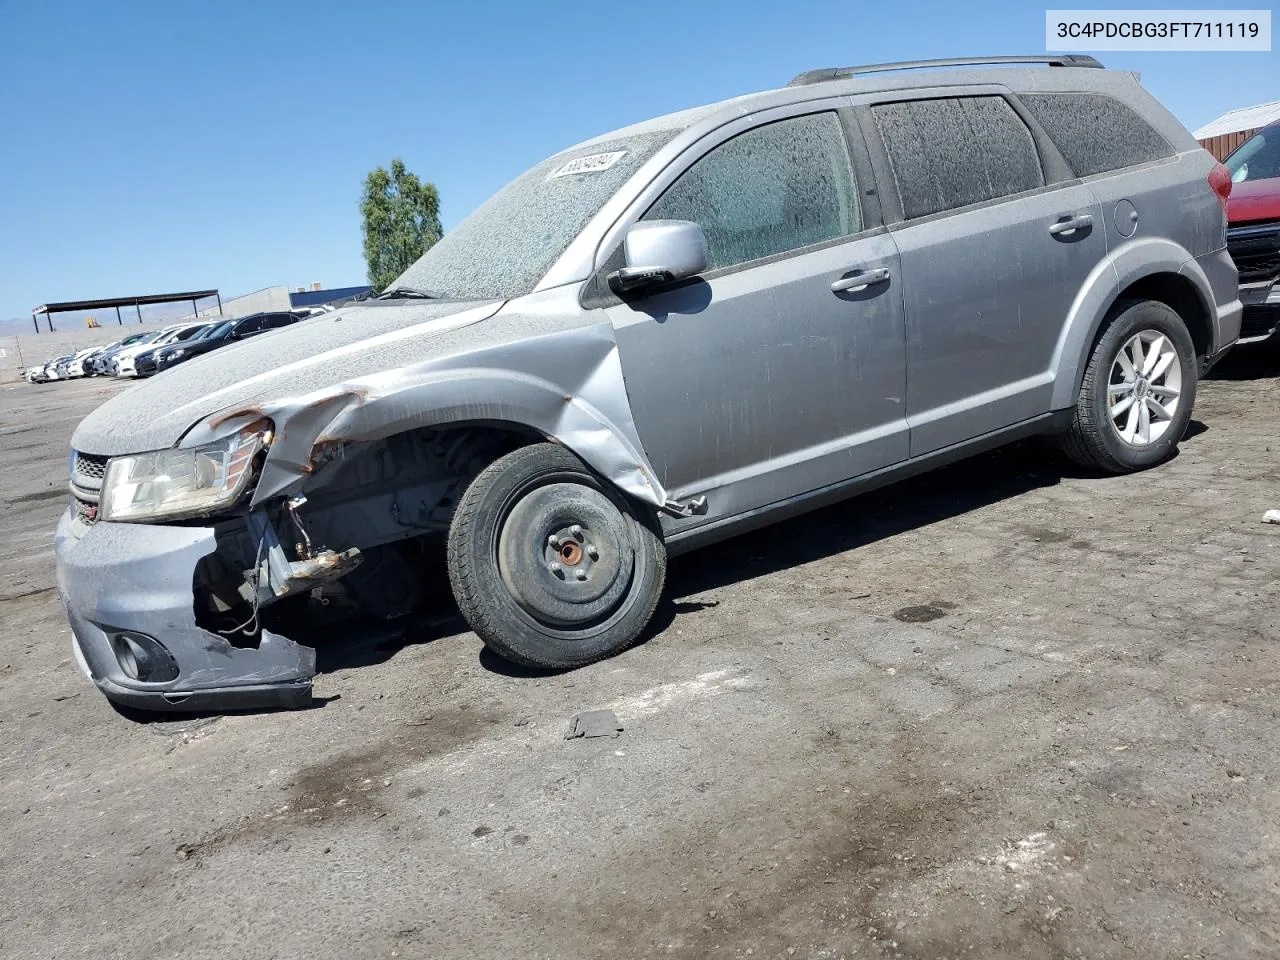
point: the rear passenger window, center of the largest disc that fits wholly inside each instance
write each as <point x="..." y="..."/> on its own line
<point x="1095" y="133"/>
<point x="776" y="188"/>
<point x="956" y="151"/>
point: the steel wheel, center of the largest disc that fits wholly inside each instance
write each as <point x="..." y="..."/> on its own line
<point x="1144" y="389"/>
<point x="551" y="566"/>
<point x="565" y="555"/>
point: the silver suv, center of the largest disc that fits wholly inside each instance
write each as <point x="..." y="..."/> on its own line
<point x="664" y="336"/>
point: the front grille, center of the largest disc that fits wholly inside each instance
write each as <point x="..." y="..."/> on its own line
<point x="1255" y="250"/>
<point x="91" y="468"/>
<point x="1253" y="269"/>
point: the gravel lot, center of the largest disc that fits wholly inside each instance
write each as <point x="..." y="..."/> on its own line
<point x="1004" y="710"/>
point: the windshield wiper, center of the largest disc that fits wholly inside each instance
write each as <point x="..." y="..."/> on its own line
<point x="409" y="293"/>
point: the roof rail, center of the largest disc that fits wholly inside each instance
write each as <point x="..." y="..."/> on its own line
<point x="840" y="73"/>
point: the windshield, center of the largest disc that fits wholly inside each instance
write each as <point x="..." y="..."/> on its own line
<point x="506" y="246"/>
<point x="1258" y="158"/>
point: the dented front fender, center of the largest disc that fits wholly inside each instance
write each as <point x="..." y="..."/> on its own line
<point x="566" y="385"/>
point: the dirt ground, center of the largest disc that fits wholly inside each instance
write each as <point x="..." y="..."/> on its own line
<point x="1005" y="710"/>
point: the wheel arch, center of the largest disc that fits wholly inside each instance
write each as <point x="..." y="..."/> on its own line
<point x="1147" y="269"/>
<point x="593" y="421"/>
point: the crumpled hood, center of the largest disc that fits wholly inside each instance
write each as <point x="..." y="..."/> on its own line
<point x="316" y="353"/>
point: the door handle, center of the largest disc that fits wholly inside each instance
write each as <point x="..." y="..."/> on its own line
<point x="1068" y="226"/>
<point x="860" y="280"/>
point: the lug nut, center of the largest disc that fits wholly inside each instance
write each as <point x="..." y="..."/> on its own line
<point x="576" y="531"/>
<point x="555" y="568"/>
<point x="580" y="574"/>
<point x="592" y="552"/>
<point x="553" y="540"/>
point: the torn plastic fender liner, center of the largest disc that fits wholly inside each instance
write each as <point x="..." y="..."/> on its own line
<point x="566" y="385"/>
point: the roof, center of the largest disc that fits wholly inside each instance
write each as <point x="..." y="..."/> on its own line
<point x="1244" y="118"/>
<point x="69" y="305"/>
<point x="1029" y="71"/>
<point x="840" y="73"/>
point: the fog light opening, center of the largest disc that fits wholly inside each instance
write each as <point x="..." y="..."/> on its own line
<point x="144" y="658"/>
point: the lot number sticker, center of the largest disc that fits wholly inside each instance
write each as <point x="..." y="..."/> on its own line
<point x="594" y="163"/>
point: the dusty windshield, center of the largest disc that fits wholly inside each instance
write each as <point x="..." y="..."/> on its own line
<point x="507" y="245"/>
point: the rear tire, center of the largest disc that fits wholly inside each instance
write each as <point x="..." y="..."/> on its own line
<point x="550" y="566"/>
<point x="1137" y="393"/>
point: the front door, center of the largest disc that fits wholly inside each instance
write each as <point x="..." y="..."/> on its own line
<point x="782" y="369"/>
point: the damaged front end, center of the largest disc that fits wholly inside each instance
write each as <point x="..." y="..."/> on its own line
<point x="203" y="576"/>
<point x="128" y="593"/>
<point x="197" y="613"/>
<point x="153" y="586"/>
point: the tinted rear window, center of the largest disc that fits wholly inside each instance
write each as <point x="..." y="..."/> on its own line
<point x="956" y="151"/>
<point x="1096" y="133"/>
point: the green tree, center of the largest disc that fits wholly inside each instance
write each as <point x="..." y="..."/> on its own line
<point x="401" y="217"/>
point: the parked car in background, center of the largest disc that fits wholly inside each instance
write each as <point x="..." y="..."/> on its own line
<point x="125" y="362"/>
<point x="100" y="349"/>
<point x="223" y="334"/>
<point x="654" y="340"/>
<point x="75" y="367"/>
<point x="63" y="367"/>
<point x="100" y="364"/>
<point x="41" y="372"/>
<point x="145" y="363"/>
<point x="1253" y="231"/>
<point x="50" y="369"/>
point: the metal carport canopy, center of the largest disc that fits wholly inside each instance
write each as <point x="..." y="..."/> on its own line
<point x="69" y="306"/>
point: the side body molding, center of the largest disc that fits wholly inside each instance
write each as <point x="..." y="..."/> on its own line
<point x="566" y="385"/>
<point x="1126" y="264"/>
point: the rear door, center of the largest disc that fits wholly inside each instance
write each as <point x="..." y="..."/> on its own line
<point x="995" y="241"/>
<point x="1146" y="189"/>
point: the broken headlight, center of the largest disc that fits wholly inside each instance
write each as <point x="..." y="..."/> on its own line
<point x="173" y="484"/>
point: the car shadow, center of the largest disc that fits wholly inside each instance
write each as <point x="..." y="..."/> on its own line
<point x="903" y="506"/>
<point x="910" y="504"/>
<point x="898" y="508"/>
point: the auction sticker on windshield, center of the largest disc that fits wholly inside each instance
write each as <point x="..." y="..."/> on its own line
<point x="592" y="163"/>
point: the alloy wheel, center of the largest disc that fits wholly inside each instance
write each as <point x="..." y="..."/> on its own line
<point x="1144" y="389"/>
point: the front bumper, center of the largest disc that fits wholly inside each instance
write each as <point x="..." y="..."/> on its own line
<point x="121" y="580"/>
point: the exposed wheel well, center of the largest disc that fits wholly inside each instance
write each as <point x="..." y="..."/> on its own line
<point x="378" y="496"/>
<point x="1176" y="292"/>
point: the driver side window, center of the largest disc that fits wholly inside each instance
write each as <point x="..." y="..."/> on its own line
<point x="770" y="190"/>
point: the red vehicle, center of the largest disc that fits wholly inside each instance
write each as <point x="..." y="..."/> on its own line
<point x="1253" y="230"/>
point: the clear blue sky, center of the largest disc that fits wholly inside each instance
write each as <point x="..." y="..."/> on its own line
<point x="149" y="147"/>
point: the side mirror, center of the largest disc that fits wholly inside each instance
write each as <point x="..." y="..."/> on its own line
<point x="657" y="252"/>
